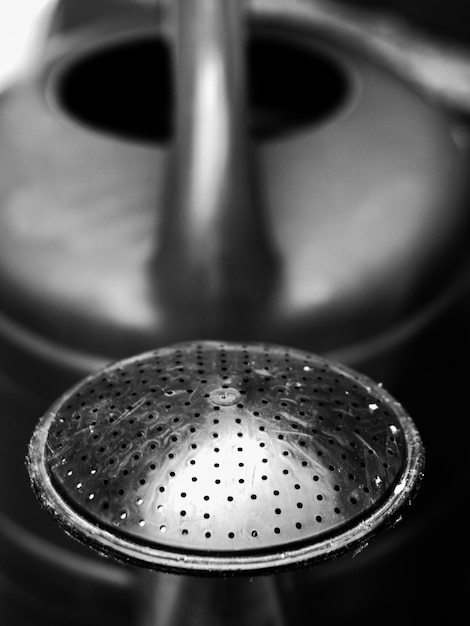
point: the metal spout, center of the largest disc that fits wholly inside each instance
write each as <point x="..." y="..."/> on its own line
<point x="215" y="264"/>
<point x="174" y="600"/>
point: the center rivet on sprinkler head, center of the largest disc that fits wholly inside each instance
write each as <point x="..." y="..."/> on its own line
<point x="225" y="397"/>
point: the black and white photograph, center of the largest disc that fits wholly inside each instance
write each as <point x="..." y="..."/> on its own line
<point x="234" y="312"/>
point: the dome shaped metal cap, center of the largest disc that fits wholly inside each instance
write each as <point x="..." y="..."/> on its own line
<point x="225" y="458"/>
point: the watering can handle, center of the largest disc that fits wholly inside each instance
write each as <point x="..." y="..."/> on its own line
<point x="437" y="66"/>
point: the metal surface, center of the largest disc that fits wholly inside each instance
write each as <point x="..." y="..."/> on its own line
<point x="212" y="208"/>
<point x="369" y="188"/>
<point x="223" y="457"/>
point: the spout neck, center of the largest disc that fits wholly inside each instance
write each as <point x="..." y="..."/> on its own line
<point x="215" y="257"/>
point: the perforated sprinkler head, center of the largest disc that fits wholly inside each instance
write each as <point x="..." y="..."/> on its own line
<point x="224" y="458"/>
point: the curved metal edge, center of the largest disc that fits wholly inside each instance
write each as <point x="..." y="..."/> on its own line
<point x="107" y="544"/>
